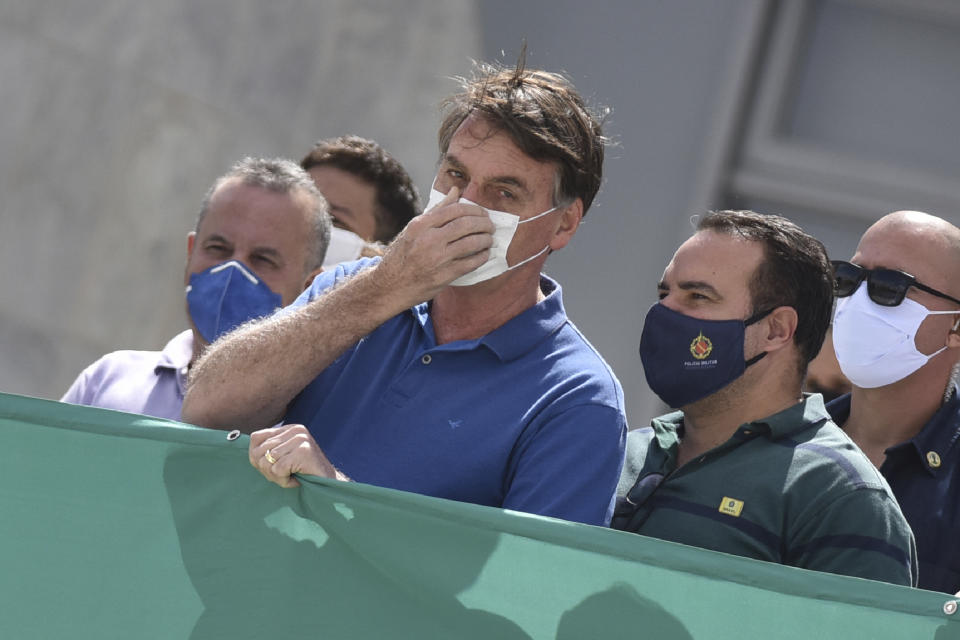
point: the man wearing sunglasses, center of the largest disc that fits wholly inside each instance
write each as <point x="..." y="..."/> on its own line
<point x="896" y="338"/>
<point x="749" y="465"/>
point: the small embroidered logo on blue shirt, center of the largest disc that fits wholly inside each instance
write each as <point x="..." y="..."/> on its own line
<point x="455" y="423"/>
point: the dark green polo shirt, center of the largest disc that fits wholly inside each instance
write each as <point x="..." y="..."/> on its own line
<point x="792" y="488"/>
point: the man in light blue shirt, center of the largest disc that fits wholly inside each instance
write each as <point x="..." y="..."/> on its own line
<point x="266" y="215"/>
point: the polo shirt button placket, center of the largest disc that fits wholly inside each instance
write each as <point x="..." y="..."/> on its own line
<point x="426" y="358"/>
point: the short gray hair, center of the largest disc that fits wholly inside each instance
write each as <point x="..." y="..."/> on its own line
<point x="281" y="176"/>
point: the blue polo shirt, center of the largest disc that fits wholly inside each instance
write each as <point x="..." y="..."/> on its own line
<point x="529" y="417"/>
<point x="924" y="473"/>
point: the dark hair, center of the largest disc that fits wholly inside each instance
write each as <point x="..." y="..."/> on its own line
<point x="397" y="200"/>
<point x="795" y="272"/>
<point x="544" y="116"/>
<point x="281" y="176"/>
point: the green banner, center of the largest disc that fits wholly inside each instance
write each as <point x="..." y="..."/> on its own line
<point x="114" y="525"/>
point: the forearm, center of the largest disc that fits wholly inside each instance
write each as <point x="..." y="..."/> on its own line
<point x="247" y="380"/>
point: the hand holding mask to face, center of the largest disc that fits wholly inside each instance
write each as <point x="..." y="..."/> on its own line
<point x="505" y="226"/>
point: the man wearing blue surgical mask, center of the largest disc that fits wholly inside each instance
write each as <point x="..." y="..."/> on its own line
<point x="429" y="371"/>
<point x="260" y="238"/>
<point x="896" y="338"/>
<point x="749" y="465"/>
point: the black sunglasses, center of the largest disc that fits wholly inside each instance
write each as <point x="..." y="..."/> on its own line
<point x="886" y="287"/>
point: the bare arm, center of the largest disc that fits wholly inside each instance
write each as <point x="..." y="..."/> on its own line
<point x="246" y="380"/>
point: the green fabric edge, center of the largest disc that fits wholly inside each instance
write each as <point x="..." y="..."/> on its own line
<point x="627" y="546"/>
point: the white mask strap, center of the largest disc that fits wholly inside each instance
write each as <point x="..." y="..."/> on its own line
<point x="539" y="215"/>
<point x="525" y="261"/>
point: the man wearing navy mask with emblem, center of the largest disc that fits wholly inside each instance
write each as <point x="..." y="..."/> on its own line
<point x="260" y="238"/>
<point x="749" y="465"/>
<point x="897" y="340"/>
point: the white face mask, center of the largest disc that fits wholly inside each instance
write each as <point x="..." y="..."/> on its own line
<point x="875" y="344"/>
<point x="344" y="246"/>
<point x="505" y="225"/>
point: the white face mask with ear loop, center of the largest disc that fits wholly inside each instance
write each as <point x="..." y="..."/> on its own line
<point x="875" y="344"/>
<point x="344" y="246"/>
<point x="505" y="225"/>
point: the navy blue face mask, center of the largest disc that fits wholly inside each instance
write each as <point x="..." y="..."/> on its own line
<point x="225" y="296"/>
<point x="686" y="359"/>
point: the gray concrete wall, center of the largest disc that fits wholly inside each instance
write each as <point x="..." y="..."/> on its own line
<point x="124" y="112"/>
<point x="119" y="114"/>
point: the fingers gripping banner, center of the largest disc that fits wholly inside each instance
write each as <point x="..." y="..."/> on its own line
<point x="120" y="526"/>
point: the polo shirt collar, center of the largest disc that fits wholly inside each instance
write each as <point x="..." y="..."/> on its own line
<point x="177" y="353"/>
<point x="797" y="417"/>
<point x="668" y="429"/>
<point x="794" y="418"/>
<point x="939" y="435"/>
<point x="521" y="333"/>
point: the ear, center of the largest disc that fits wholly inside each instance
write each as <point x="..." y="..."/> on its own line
<point x="570" y="219"/>
<point x="191" y="240"/>
<point x="953" y="338"/>
<point x="781" y="327"/>
<point x="309" y="279"/>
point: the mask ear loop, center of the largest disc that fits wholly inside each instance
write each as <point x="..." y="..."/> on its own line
<point x="757" y="317"/>
<point x="538" y="253"/>
<point x="539" y="215"/>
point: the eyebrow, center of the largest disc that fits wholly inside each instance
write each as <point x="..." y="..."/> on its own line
<point x="216" y="237"/>
<point x="692" y="285"/>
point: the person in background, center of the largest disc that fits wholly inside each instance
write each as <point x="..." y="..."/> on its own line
<point x="897" y="338"/>
<point x="370" y="194"/>
<point x="449" y="367"/>
<point x="823" y="373"/>
<point x="749" y="465"/>
<point x="260" y="239"/>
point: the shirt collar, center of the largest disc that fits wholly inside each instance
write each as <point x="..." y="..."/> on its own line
<point x="839" y="408"/>
<point x="938" y="436"/>
<point x="794" y="418"/>
<point x="519" y="334"/>
<point x="177" y="353"/>
<point x="941" y="433"/>
<point x="668" y="429"/>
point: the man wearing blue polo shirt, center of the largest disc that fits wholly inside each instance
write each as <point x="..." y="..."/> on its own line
<point x="897" y="338"/>
<point x="448" y="367"/>
<point x="749" y="465"/>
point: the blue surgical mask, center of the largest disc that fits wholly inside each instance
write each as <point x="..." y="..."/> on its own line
<point x="686" y="359"/>
<point x="225" y="296"/>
